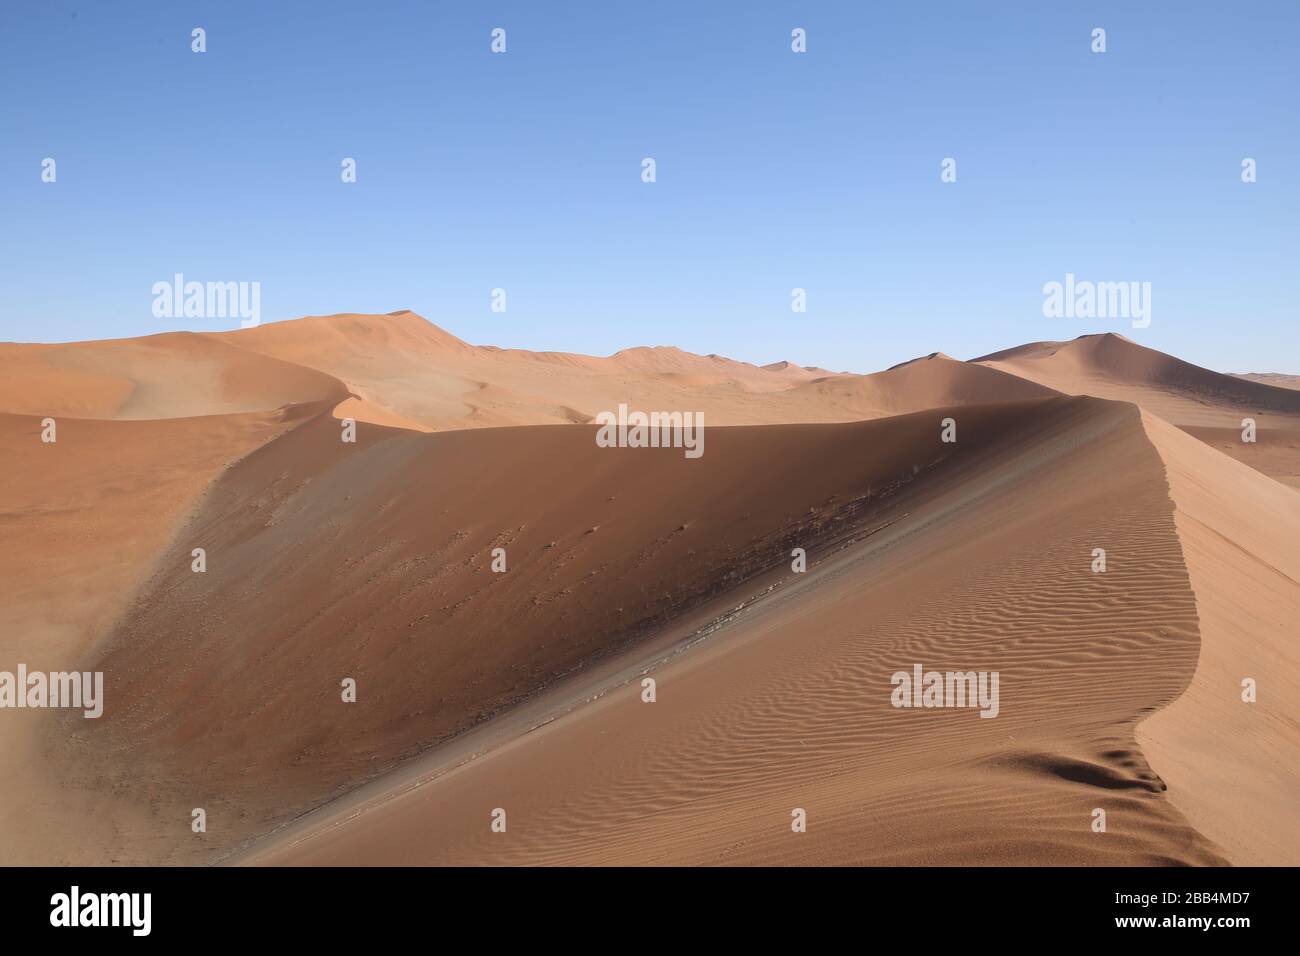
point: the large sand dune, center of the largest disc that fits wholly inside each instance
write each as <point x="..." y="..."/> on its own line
<point x="476" y="690"/>
<point x="986" y="567"/>
<point x="328" y="560"/>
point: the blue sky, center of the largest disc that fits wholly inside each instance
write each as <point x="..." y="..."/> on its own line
<point x="775" y="170"/>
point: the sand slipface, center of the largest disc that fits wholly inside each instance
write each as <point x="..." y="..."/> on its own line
<point x="522" y="689"/>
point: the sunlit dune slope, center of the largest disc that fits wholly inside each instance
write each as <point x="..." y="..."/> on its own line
<point x="1234" y="766"/>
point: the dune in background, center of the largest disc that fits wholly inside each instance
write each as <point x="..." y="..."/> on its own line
<point x="1209" y="405"/>
<point x="477" y="690"/>
<point x="1271" y="378"/>
<point x="401" y="371"/>
<point x="399" y="365"/>
<point x="174" y="375"/>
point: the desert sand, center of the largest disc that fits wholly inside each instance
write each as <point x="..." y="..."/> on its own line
<point x="1207" y="404"/>
<point x="521" y="690"/>
<point x="1271" y="378"/>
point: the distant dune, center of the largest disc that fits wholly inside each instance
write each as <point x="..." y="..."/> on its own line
<point x="403" y="369"/>
<point x="176" y="375"/>
<point x="522" y="689"/>
<point x="1209" y="405"/>
<point x="1271" y="378"/>
<point x="929" y="382"/>
<point x="1172" y="388"/>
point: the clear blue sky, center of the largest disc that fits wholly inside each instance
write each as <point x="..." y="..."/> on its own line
<point x="775" y="170"/>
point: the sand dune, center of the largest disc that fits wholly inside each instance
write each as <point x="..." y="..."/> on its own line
<point x="1171" y="388"/>
<point x="404" y="369"/>
<point x="930" y="382"/>
<point x="1207" y="404"/>
<point x="985" y="566"/>
<point x="407" y="369"/>
<point x="801" y="373"/>
<point x="415" y="372"/>
<point x="401" y="371"/>
<point x="328" y="560"/>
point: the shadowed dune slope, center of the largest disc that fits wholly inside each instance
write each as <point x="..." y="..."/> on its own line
<point x="987" y="567"/>
<point x="1207" y="404"/>
<point x="372" y="561"/>
<point x="328" y="560"/>
<point x="175" y="375"/>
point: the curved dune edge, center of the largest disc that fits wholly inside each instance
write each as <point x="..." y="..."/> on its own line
<point x="1233" y="768"/>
